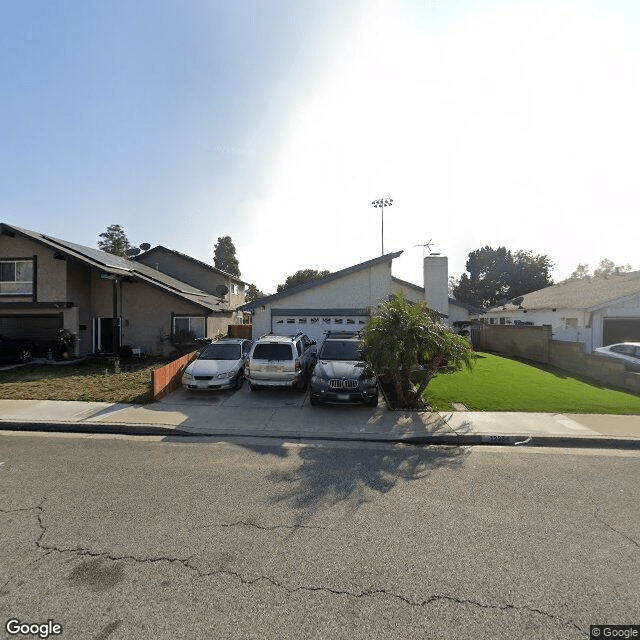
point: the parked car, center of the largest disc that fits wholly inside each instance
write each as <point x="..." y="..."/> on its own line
<point x="16" y="349"/>
<point x="281" y="361"/>
<point x="627" y="352"/>
<point x="220" y="365"/>
<point x="340" y="374"/>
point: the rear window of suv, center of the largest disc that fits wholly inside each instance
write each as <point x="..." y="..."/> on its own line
<point x="341" y="350"/>
<point x="272" y="351"/>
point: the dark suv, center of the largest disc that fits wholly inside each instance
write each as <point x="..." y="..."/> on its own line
<point x="341" y="375"/>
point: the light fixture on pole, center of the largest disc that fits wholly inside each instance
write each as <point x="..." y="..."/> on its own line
<point x="382" y="203"/>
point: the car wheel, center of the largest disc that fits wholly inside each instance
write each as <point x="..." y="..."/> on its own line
<point x="24" y="355"/>
<point x="314" y="401"/>
<point x="239" y="380"/>
<point x="373" y="402"/>
<point x="254" y="387"/>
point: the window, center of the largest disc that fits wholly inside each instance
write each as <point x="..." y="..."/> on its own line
<point x="16" y="277"/>
<point x="233" y="288"/>
<point x="188" y="328"/>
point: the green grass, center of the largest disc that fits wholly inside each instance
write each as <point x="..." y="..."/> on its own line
<point x="498" y="383"/>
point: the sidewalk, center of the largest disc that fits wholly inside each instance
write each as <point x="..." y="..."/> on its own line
<point x="291" y="417"/>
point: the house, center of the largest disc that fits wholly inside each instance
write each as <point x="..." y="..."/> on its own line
<point x="345" y="300"/>
<point x="198" y="274"/>
<point x="48" y="284"/>
<point x="594" y="311"/>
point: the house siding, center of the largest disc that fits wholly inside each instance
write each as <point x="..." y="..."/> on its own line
<point x="363" y="289"/>
<point x="50" y="273"/>
<point x="197" y="276"/>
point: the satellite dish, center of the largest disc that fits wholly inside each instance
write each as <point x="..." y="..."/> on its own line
<point x="134" y="251"/>
<point x="222" y="290"/>
<point x="145" y="246"/>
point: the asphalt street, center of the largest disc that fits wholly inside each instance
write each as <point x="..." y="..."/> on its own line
<point x="122" y="538"/>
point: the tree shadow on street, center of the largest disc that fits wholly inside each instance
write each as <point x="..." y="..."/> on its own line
<point x="352" y="476"/>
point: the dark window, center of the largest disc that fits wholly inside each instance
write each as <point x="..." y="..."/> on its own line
<point x="341" y="350"/>
<point x="16" y="277"/>
<point x="220" y="352"/>
<point x="272" y="351"/>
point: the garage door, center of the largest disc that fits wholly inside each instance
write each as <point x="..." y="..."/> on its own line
<point x="317" y="322"/>
<point x="42" y="329"/>
<point x="620" y="330"/>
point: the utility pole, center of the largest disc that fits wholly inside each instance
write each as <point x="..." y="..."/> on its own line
<point x="382" y="203"/>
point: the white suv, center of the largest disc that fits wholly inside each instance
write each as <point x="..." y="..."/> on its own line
<point x="281" y="361"/>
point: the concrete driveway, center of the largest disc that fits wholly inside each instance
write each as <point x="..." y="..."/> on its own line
<point x="274" y="398"/>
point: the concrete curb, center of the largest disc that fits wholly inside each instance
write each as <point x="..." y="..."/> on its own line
<point x="599" y="442"/>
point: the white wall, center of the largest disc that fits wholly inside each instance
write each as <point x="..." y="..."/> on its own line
<point x="436" y="286"/>
<point x="362" y="289"/>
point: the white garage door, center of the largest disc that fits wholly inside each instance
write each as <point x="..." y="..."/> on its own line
<point x="316" y="325"/>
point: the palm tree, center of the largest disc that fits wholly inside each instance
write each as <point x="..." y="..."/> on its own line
<point x="405" y="337"/>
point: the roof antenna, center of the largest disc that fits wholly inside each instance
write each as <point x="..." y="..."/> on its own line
<point x="425" y="244"/>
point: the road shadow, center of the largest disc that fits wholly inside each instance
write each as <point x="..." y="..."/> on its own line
<point x="352" y="476"/>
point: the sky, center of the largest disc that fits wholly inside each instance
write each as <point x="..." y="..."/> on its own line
<point x="277" y="122"/>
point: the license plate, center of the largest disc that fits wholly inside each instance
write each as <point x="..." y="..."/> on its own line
<point x="343" y="396"/>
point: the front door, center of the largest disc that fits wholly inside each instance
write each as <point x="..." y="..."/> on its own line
<point x="106" y="335"/>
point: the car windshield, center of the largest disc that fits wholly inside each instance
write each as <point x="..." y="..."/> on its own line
<point x="341" y="350"/>
<point x="272" y="351"/>
<point x="221" y="352"/>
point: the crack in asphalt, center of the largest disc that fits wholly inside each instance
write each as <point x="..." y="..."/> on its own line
<point x="242" y="523"/>
<point x="187" y="564"/>
<point x="620" y="533"/>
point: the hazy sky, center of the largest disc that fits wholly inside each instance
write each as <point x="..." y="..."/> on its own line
<point x="513" y="123"/>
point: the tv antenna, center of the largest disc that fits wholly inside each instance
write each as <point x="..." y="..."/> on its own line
<point x="423" y="245"/>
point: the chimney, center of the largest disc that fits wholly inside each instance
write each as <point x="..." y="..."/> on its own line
<point x="436" y="283"/>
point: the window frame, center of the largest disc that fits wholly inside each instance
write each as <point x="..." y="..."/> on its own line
<point x="32" y="282"/>
<point x="189" y="330"/>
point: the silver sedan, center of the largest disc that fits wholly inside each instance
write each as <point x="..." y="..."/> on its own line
<point x="627" y="352"/>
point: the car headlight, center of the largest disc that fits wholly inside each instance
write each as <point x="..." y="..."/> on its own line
<point x="187" y="376"/>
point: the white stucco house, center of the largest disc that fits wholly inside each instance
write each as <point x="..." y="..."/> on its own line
<point x="594" y="311"/>
<point x="346" y="299"/>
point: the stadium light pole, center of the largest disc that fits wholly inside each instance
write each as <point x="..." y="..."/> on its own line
<point x="382" y="203"/>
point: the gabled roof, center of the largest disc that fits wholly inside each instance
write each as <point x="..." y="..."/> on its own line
<point x="184" y="256"/>
<point x="469" y="307"/>
<point x="585" y="294"/>
<point x="404" y="283"/>
<point x="118" y="266"/>
<point x="318" y="282"/>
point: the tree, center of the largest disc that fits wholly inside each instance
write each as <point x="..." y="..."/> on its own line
<point x="581" y="271"/>
<point x="253" y="293"/>
<point x="403" y="335"/>
<point x="224" y="256"/>
<point x="452" y="285"/>
<point x="608" y="268"/>
<point x="498" y="274"/>
<point x="114" y="241"/>
<point x="303" y="275"/>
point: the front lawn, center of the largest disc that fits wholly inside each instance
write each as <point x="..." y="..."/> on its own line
<point x="498" y="383"/>
<point x="94" y="379"/>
